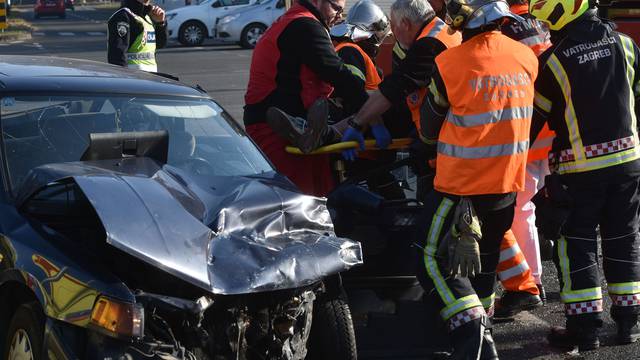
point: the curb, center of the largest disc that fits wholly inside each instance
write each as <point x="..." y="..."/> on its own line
<point x="15" y="37"/>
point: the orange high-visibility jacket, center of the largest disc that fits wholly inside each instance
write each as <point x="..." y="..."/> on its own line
<point x="483" y="143"/>
<point x="372" y="78"/>
<point x="436" y="29"/>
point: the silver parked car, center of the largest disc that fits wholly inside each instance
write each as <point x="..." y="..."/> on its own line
<point x="246" y="25"/>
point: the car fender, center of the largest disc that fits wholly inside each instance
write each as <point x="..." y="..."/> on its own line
<point x="63" y="279"/>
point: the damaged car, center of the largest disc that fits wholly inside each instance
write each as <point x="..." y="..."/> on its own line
<point x="138" y="221"/>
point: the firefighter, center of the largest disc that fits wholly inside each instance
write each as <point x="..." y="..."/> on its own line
<point x="293" y="66"/>
<point x="521" y="275"/>
<point x="417" y="29"/>
<point x="588" y="84"/>
<point x="476" y="118"/>
<point x="136" y="30"/>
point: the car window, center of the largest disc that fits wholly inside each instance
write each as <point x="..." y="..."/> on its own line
<point x="234" y="2"/>
<point x="43" y="130"/>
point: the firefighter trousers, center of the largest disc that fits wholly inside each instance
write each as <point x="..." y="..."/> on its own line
<point x="459" y="300"/>
<point x="613" y="207"/>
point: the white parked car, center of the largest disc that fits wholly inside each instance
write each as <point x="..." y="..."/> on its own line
<point x="246" y="25"/>
<point x="192" y="24"/>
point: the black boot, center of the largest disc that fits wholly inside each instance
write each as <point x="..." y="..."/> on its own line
<point x="543" y="294"/>
<point x="467" y="340"/>
<point x="581" y="331"/>
<point x="307" y="135"/>
<point x="489" y="351"/>
<point x="628" y="327"/>
<point x="513" y="302"/>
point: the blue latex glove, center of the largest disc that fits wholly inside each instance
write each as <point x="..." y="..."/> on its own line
<point x="352" y="134"/>
<point x="382" y="135"/>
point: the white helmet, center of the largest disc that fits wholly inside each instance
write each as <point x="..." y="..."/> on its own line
<point x="472" y="14"/>
<point x="365" y="20"/>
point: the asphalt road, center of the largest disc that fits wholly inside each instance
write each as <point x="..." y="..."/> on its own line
<point x="223" y="72"/>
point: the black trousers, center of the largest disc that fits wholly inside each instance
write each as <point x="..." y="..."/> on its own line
<point x="613" y="207"/>
<point x="459" y="299"/>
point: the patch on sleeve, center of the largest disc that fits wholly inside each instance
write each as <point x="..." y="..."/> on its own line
<point x="123" y="28"/>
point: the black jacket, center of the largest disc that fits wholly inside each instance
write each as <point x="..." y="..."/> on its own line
<point x="414" y="70"/>
<point x="123" y="29"/>
<point x="590" y="77"/>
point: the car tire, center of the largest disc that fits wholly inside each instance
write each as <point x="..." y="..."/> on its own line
<point x="192" y="33"/>
<point x="251" y="34"/>
<point x="26" y="333"/>
<point x="332" y="333"/>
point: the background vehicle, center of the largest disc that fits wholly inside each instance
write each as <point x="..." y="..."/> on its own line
<point x="246" y="25"/>
<point x="191" y="25"/>
<point x="70" y="4"/>
<point x="49" y="8"/>
<point x="141" y="222"/>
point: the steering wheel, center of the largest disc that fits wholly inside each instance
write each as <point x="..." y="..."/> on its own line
<point x="199" y="166"/>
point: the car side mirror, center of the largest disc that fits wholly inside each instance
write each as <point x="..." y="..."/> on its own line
<point x="216" y="4"/>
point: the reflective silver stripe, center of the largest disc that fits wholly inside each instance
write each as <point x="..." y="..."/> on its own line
<point x="509" y="252"/>
<point x="599" y="162"/>
<point x="482" y="151"/>
<point x="542" y="102"/>
<point x="513" y="271"/>
<point x="533" y="40"/>
<point x="490" y="117"/>
<point x="624" y="288"/>
<point x="581" y="295"/>
<point x="141" y="56"/>
<point x="436" y="28"/>
<point x="542" y="143"/>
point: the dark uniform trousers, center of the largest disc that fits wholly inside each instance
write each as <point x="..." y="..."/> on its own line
<point x="613" y="205"/>
<point x="459" y="299"/>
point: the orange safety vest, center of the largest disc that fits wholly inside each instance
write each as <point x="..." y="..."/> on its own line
<point x="372" y="79"/>
<point x="483" y="143"/>
<point x="436" y="29"/>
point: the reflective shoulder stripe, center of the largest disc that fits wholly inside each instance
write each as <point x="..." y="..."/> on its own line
<point x="482" y="151"/>
<point x="542" y="102"/>
<point x="355" y="71"/>
<point x="437" y="27"/>
<point x="399" y="51"/>
<point x="569" y="114"/>
<point x="624" y="288"/>
<point x="490" y="117"/>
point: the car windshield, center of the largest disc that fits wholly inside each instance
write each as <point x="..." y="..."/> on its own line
<point x="40" y="130"/>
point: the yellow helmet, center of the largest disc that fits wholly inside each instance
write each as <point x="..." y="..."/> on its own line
<point x="558" y="13"/>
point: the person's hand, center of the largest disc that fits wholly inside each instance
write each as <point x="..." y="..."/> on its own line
<point x="157" y="14"/>
<point x="466" y="256"/>
<point x="382" y="135"/>
<point x="352" y="134"/>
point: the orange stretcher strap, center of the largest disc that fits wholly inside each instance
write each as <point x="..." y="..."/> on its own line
<point x="369" y="145"/>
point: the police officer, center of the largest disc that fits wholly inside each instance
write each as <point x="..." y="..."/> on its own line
<point x="136" y="30"/>
<point x="587" y="89"/>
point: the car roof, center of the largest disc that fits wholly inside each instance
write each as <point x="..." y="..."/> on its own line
<point x="40" y="74"/>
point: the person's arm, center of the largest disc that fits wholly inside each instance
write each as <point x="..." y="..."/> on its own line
<point x="157" y="15"/>
<point x="412" y="73"/>
<point x="309" y="39"/>
<point x="433" y="110"/>
<point x="543" y="99"/>
<point x="119" y="31"/>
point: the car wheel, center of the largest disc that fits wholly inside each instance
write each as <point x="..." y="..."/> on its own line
<point x="251" y="34"/>
<point x="26" y="332"/>
<point x="332" y="333"/>
<point x="192" y="33"/>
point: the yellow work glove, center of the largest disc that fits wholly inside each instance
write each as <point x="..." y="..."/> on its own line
<point x="464" y="251"/>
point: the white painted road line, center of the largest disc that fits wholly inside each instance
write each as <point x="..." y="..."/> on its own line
<point x="66" y="34"/>
<point x="37" y="33"/>
<point x="96" y="33"/>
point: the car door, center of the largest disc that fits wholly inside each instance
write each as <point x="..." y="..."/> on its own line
<point x="274" y="10"/>
<point x="219" y="8"/>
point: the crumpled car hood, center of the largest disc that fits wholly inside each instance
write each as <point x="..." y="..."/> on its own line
<point x="228" y="235"/>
